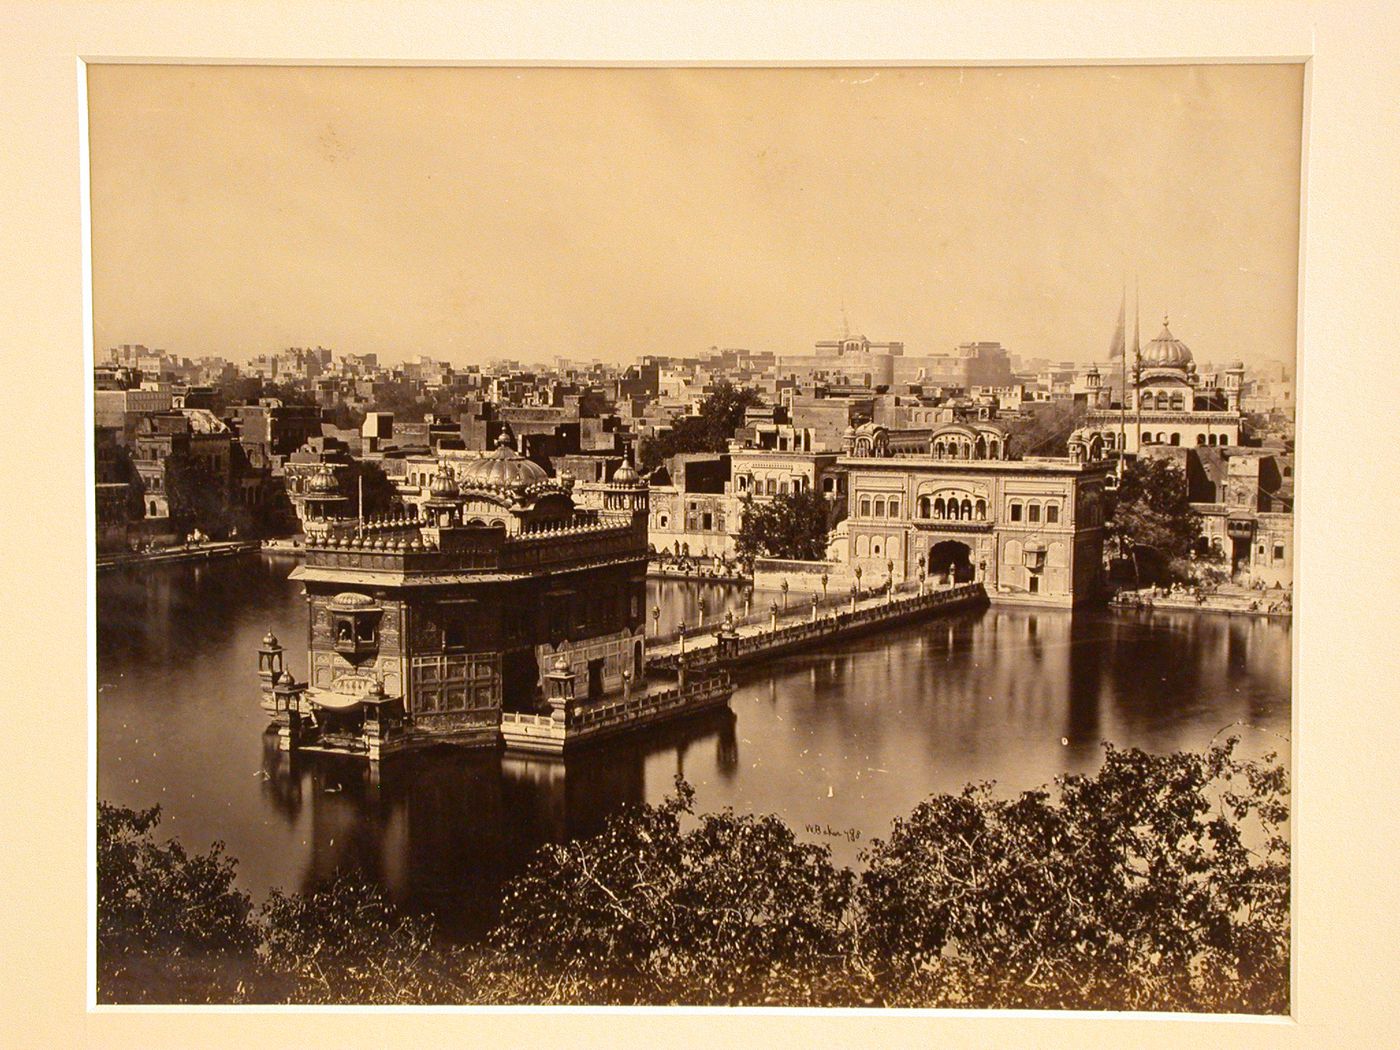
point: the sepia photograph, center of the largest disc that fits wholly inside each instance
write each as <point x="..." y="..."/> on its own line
<point x="790" y="536"/>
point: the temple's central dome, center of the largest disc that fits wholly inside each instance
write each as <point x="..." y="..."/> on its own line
<point x="502" y="468"/>
<point x="1166" y="351"/>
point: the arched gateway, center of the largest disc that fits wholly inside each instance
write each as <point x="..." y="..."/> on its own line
<point x="950" y="559"/>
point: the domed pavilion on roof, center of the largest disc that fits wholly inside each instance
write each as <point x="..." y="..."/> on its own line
<point x="500" y="489"/>
<point x="1170" y="404"/>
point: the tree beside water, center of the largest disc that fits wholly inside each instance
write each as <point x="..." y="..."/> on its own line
<point x="1152" y="522"/>
<point x="792" y="525"/>
<point x="1158" y="883"/>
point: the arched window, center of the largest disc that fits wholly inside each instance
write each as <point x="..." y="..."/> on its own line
<point x="980" y="449"/>
<point x="1033" y="512"/>
<point x="1201" y="439"/>
<point x="862" y="546"/>
<point x="638" y="662"/>
<point x="1052" y="514"/>
<point x="828" y="484"/>
<point x="1015" y="510"/>
<point x="771" y="487"/>
<point x="1176" y="438"/>
<point x="953" y="509"/>
<point x="967" y="509"/>
<point x="783" y="487"/>
<point x="994" y="449"/>
<point x="152" y="509"/>
<point x="924" y="508"/>
<point x="865" y="506"/>
<point x="875" y="547"/>
<point x="1178" y="402"/>
<point x="894" y="508"/>
<point x="879" y="508"/>
<point x="939" y="508"/>
<point x="981" y="510"/>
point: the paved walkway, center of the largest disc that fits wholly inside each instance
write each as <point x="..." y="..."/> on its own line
<point x="799" y="611"/>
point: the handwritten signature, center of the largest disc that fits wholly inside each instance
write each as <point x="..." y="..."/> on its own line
<point x="849" y="834"/>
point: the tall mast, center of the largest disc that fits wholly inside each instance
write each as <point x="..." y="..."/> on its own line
<point x="1118" y="341"/>
<point x="1137" y="364"/>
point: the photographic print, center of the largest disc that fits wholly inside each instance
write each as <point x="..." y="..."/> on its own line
<point x="725" y="536"/>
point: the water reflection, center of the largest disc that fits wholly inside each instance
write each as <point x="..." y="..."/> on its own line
<point x="848" y="738"/>
<point x="693" y="603"/>
<point x="442" y="830"/>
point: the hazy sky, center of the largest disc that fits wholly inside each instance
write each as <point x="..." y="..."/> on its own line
<point x="475" y="213"/>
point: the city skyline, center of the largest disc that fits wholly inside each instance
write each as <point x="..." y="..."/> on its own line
<point x="664" y="211"/>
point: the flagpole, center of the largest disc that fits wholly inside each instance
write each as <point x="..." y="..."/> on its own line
<point x="1123" y="394"/>
<point x="1137" y="364"/>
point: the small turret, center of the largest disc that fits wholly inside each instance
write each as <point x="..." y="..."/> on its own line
<point x="628" y="492"/>
<point x="269" y="666"/>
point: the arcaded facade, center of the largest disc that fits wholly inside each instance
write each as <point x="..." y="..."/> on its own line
<point x="1031" y="530"/>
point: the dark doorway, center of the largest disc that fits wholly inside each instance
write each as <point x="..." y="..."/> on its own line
<point x="1239" y="553"/>
<point x="951" y="557"/>
<point x="1034" y="583"/>
<point x="520" y="681"/>
<point x="595" y="678"/>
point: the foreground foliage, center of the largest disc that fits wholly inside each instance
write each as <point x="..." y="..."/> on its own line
<point x="170" y="927"/>
<point x="1160" y="882"/>
<point x="646" y="912"/>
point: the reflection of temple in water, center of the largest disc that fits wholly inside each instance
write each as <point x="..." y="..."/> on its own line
<point x="443" y="830"/>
